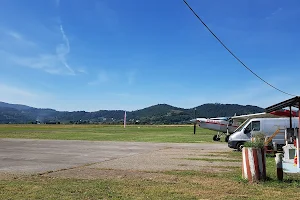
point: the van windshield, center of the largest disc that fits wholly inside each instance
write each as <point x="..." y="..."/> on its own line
<point x="242" y="125"/>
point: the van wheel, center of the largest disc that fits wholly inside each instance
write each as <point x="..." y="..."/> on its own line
<point x="216" y="138"/>
<point x="240" y="146"/>
<point x="227" y="138"/>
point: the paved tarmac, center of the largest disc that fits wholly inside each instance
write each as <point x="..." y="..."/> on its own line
<point x="29" y="156"/>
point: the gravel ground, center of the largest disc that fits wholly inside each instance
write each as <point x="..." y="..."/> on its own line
<point x="88" y="159"/>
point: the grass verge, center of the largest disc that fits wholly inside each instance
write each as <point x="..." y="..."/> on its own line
<point x="174" y="185"/>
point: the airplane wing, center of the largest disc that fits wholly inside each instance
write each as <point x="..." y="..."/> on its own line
<point x="275" y="114"/>
<point x="241" y="118"/>
<point x="255" y="115"/>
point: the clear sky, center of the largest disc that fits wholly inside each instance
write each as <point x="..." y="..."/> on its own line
<point x="117" y="54"/>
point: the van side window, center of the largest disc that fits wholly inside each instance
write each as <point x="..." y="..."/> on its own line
<point x="256" y="126"/>
<point x="248" y="128"/>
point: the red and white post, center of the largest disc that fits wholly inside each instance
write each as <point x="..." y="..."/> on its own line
<point x="254" y="164"/>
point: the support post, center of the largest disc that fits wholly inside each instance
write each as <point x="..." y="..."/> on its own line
<point x="196" y="120"/>
<point x="297" y="139"/>
<point x="275" y="146"/>
<point x="278" y="160"/>
<point x="290" y="116"/>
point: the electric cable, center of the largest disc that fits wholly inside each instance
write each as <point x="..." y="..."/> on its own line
<point x="234" y="54"/>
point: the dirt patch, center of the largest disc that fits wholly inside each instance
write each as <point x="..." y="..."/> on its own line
<point x="92" y="173"/>
<point x="8" y="176"/>
<point x="166" y="160"/>
<point x="89" y="173"/>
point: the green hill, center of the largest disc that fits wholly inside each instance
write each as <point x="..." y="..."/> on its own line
<point x="157" y="114"/>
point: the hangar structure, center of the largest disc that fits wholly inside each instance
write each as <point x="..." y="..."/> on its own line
<point x="291" y="159"/>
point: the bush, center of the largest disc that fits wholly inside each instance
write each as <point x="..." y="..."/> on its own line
<point x="258" y="141"/>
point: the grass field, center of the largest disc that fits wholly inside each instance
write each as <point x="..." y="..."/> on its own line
<point x="171" y="185"/>
<point x="177" y="134"/>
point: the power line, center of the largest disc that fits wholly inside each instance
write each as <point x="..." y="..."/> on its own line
<point x="233" y="53"/>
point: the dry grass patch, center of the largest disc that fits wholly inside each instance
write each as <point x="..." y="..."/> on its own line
<point x="92" y="174"/>
<point x="214" y="159"/>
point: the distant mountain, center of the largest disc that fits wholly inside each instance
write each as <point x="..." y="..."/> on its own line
<point x="216" y="110"/>
<point x="157" y="110"/>
<point x="15" y="106"/>
<point x="157" y="114"/>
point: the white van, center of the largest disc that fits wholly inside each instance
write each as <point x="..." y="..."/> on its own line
<point x="266" y="126"/>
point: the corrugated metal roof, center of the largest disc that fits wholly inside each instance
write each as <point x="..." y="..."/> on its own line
<point x="293" y="102"/>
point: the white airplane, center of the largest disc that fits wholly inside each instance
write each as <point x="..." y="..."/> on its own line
<point x="223" y="125"/>
<point x="227" y="125"/>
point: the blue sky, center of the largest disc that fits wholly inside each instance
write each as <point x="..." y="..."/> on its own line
<point x="115" y="54"/>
